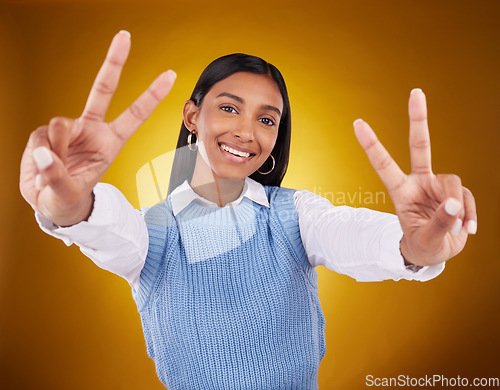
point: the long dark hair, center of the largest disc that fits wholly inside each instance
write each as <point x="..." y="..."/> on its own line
<point x="218" y="70"/>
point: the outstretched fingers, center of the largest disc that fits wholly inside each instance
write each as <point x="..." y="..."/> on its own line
<point x="107" y="78"/>
<point x="389" y="172"/>
<point x="420" y="144"/>
<point x="135" y="115"/>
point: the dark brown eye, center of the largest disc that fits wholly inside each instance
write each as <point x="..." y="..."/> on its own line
<point x="267" y="121"/>
<point x="228" y="109"/>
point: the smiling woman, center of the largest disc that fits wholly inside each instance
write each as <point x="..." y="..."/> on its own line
<point x="265" y="101"/>
<point x="237" y="130"/>
<point x="223" y="269"/>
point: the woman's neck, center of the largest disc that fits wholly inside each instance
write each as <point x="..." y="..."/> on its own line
<point x="208" y="185"/>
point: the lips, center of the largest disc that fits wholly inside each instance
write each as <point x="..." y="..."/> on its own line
<point x="235" y="154"/>
<point x="234" y="148"/>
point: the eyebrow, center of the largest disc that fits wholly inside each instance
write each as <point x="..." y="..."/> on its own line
<point x="237" y="98"/>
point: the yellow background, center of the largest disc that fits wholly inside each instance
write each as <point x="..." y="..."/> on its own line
<point x="65" y="324"/>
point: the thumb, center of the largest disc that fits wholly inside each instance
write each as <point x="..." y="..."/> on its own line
<point x="54" y="174"/>
<point x="445" y="219"/>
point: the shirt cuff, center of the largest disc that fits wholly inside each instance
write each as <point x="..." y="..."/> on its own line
<point x="392" y="259"/>
<point x="83" y="231"/>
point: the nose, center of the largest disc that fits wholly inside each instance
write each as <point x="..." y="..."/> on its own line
<point x="244" y="130"/>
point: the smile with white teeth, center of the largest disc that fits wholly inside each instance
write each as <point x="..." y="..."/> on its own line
<point x="234" y="151"/>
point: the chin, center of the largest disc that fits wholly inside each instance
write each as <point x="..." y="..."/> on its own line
<point x="229" y="171"/>
<point x="231" y="174"/>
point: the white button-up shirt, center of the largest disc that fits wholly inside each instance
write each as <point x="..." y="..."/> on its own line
<point x="358" y="242"/>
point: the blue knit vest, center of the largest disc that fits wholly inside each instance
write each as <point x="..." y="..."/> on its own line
<point x="228" y="298"/>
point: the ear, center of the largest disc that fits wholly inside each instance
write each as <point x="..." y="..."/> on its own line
<point x="190" y="115"/>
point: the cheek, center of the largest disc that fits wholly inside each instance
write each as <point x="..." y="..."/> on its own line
<point x="267" y="140"/>
<point x="209" y="131"/>
<point x="211" y="128"/>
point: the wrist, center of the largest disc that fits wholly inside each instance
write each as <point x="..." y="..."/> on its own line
<point x="81" y="212"/>
<point x="403" y="249"/>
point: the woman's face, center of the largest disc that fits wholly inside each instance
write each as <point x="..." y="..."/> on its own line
<point x="237" y="124"/>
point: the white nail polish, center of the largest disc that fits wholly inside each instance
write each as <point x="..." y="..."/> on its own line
<point x="38" y="182"/>
<point x="357" y="121"/>
<point x="472" y="227"/>
<point x="172" y="73"/>
<point x="415" y="90"/>
<point x="43" y="157"/>
<point x="452" y="206"/>
<point x="125" y="32"/>
<point x="457" y="227"/>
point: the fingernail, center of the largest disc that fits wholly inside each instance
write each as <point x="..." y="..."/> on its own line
<point x="452" y="206"/>
<point x="43" y="157"/>
<point x="415" y="90"/>
<point x="472" y="227"/>
<point x="457" y="227"/>
<point x="125" y="32"/>
<point x="172" y="73"/>
<point x="38" y="182"/>
<point x="357" y="121"/>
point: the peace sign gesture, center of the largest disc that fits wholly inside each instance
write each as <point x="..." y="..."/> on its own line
<point x="435" y="211"/>
<point x="63" y="161"/>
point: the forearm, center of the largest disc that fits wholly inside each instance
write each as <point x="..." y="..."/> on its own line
<point x="361" y="243"/>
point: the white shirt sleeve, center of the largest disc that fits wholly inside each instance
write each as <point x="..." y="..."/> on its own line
<point x="115" y="237"/>
<point x="357" y="242"/>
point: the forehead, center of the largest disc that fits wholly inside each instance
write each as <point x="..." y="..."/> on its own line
<point x="252" y="88"/>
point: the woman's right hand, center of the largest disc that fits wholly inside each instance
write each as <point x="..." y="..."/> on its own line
<point x="63" y="161"/>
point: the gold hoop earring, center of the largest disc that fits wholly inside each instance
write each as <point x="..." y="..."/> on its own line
<point x="193" y="149"/>
<point x="265" y="173"/>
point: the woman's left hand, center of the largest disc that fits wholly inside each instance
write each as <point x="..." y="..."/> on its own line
<point x="435" y="211"/>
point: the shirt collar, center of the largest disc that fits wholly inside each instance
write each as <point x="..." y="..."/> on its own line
<point x="183" y="195"/>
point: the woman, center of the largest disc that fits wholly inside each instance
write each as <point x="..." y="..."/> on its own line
<point x="223" y="270"/>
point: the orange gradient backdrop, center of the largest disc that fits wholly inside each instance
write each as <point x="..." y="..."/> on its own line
<point x="66" y="324"/>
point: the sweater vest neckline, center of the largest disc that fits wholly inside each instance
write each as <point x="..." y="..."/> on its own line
<point x="229" y="215"/>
